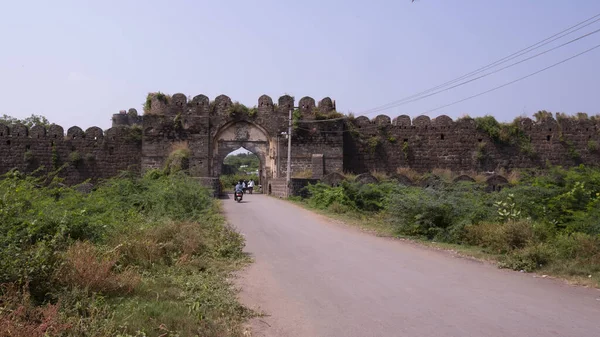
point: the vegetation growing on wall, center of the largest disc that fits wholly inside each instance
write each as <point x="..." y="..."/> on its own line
<point x="165" y="99"/>
<point x="134" y="257"/>
<point x="548" y="221"/>
<point x="319" y="115"/>
<point x="75" y="158"/>
<point x="54" y="157"/>
<point x="373" y="143"/>
<point x="28" y="157"/>
<point x="178" y="159"/>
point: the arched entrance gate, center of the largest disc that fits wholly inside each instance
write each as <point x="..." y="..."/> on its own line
<point x="210" y="130"/>
<point x="250" y="136"/>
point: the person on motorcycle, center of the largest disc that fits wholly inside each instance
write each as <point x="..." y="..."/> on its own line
<point x="238" y="189"/>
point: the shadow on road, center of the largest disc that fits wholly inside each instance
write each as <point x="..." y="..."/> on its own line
<point x="229" y="196"/>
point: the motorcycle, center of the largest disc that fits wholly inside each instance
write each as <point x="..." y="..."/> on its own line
<point x="237" y="196"/>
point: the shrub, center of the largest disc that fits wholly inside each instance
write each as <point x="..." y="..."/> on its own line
<point x="64" y="247"/>
<point x="159" y="96"/>
<point x="593" y="146"/>
<point x="490" y="126"/>
<point x="238" y="109"/>
<point x="228" y="181"/>
<point x="19" y="317"/>
<point x="54" y="157"/>
<point x="323" y="196"/>
<point x="75" y="158"/>
<point x="405" y="149"/>
<point x="528" y="259"/>
<point x="373" y="143"/>
<point x="381" y="176"/>
<point x="433" y="213"/>
<point x="579" y="246"/>
<point x="500" y="238"/>
<point x="28" y="157"/>
<point x="87" y="268"/>
<point x="178" y="159"/>
<point x="542" y="115"/>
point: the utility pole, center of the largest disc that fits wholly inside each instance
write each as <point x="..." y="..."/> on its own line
<point x="289" y="155"/>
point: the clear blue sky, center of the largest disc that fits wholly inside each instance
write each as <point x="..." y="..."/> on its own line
<point x="77" y="62"/>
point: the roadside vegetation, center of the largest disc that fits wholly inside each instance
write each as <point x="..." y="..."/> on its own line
<point x="136" y="256"/>
<point x="547" y="222"/>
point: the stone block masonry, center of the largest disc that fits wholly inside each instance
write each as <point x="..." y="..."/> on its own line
<point x="424" y="144"/>
<point x="322" y="143"/>
<point x="93" y="154"/>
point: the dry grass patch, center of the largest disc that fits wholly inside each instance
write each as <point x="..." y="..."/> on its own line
<point x="445" y="174"/>
<point x="19" y="317"/>
<point x="410" y="173"/>
<point x="306" y="174"/>
<point x="380" y="175"/>
<point x="86" y="267"/>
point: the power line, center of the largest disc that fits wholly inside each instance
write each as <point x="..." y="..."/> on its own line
<point x="484" y="92"/>
<point x="517" y="80"/>
<point x="537" y="45"/>
<point x="490" y="73"/>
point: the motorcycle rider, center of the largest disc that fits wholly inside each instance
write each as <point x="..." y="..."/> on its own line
<point x="238" y="188"/>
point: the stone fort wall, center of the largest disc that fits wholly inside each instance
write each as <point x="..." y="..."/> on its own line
<point x="319" y="143"/>
<point x="91" y="154"/>
<point x="424" y="144"/>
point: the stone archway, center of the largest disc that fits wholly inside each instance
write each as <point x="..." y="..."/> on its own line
<point x="250" y="136"/>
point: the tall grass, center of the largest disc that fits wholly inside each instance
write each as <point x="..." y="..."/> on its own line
<point x="126" y="259"/>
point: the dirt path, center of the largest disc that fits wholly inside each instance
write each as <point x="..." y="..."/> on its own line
<point x="317" y="278"/>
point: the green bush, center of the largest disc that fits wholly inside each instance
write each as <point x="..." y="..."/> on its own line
<point x="28" y="157"/>
<point x="228" y="181"/>
<point x="75" y="158"/>
<point x="549" y="219"/>
<point x="490" y="126"/>
<point x="528" y="259"/>
<point x="439" y="214"/>
<point x="350" y="196"/>
<point x="35" y="222"/>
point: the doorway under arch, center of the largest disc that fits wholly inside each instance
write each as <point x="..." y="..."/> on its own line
<point x="249" y="136"/>
<point x="240" y="164"/>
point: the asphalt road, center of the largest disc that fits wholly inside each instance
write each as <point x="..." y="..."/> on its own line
<point x="313" y="277"/>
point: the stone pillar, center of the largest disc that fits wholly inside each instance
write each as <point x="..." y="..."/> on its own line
<point x="318" y="167"/>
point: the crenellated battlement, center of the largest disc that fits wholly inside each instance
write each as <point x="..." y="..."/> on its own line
<point x="323" y="141"/>
<point x="162" y="104"/>
<point x="444" y="122"/>
<point x="56" y="132"/>
<point x="425" y="143"/>
<point x="81" y="155"/>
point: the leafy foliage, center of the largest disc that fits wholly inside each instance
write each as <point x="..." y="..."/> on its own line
<point x="30" y="121"/>
<point x="547" y="220"/>
<point x="92" y="264"/>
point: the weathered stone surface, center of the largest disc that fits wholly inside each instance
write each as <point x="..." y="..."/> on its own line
<point x="84" y="188"/>
<point x="366" y="178"/>
<point x="359" y="145"/>
<point x="402" y="179"/>
<point x="433" y="182"/>
<point x="464" y="178"/>
<point x="496" y="183"/>
<point x="333" y="179"/>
